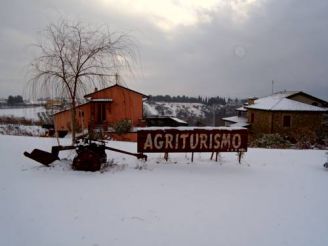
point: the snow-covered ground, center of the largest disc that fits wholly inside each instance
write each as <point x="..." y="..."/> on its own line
<point x="27" y="112"/>
<point x="275" y="197"/>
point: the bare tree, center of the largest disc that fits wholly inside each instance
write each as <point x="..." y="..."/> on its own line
<point x="74" y="57"/>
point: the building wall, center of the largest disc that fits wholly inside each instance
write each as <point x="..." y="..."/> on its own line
<point x="126" y="104"/>
<point x="261" y="123"/>
<point x="272" y="122"/>
<point x="308" y="100"/>
<point x="63" y="119"/>
<point x="300" y="121"/>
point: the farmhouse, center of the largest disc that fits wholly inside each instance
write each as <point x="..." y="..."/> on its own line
<point x="286" y="113"/>
<point x="103" y="108"/>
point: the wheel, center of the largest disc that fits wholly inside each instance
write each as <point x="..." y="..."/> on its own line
<point x="87" y="160"/>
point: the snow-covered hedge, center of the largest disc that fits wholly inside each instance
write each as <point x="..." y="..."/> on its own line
<point x="22" y="130"/>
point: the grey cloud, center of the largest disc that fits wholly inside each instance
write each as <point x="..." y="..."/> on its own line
<point x="284" y="41"/>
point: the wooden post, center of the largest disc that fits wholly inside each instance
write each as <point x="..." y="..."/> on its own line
<point x="240" y="154"/>
<point x="166" y="156"/>
<point x="216" y="156"/>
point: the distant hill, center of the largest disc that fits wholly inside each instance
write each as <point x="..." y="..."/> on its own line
<point x="193" y="113"/>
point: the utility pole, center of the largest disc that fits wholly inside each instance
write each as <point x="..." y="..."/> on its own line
<point x="117" y="78"/>
<point x="272" y="90"/>
<point x="213" y="109"/>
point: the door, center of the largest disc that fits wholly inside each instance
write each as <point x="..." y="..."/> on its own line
<point x="100" y="113"/>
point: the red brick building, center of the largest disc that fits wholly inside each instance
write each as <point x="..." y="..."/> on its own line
<point x="104" y="108"/>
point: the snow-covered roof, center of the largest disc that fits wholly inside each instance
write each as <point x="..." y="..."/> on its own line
<point x="178" y="120"/>
<point x="239" y="124"/>
<point x="116" y="85"/>
<point x="241" y="109"/>
<point x="168" y="117"/>
<point x="188" y="128"/>
<point x="101" y="100"/>
<point x="280" y="102"/>
<point x="235" y="119"/>
<point x="238" y="121"/>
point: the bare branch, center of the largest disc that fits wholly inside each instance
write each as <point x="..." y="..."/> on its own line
<point x="74" y="58"/>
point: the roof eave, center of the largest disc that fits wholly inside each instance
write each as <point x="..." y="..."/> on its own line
<point x="289" y="110"/>
<point x="90" y="94"/>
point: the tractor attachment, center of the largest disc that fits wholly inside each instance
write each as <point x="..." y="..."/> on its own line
<point x="41" y="156"/>
<point x="90" y="154"/>
<point x="45" y="157"/>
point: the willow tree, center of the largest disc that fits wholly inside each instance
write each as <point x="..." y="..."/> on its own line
<point x="73" y="58"/>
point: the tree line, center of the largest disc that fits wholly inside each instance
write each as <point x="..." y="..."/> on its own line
<point x="186" y="99"/>
<point x="15" y="100"/>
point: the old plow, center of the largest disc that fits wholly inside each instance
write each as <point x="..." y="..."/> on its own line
<point x="90" y="154"/>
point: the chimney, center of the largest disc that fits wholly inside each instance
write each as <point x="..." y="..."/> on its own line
<point x="251" y="100"/>
<point x="96" y="89"/>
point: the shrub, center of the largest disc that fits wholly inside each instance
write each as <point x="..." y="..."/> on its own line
<point x="122" y="126"/>
<point x="304" y="138"/>
<point x="271" y="141"/>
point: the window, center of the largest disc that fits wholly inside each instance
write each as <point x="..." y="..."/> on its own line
<point x="252" y="117"/>
<point x="286" y="121"/>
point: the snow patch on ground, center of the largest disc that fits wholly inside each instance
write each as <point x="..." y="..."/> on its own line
<point x="275" y="197"/>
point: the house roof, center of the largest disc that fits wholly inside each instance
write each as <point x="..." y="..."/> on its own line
<point x="238" y="121"/>
<point x="241" y="109"/>
<point x="280" y="102"/>
<point x="78" y="106"/>
<point x="178" y="120"/>
<point x="101" y="100"/>
<point x="116" y="85"/>
<point x="167" y="117"/>
<point x="323" y="102"/>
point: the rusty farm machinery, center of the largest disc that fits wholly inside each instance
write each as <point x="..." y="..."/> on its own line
<point x="90" y="154"/>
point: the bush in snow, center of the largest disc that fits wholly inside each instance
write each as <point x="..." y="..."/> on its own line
<point x="22" y="130"/>
<point x="270" y="141"/>
<point x="122" y="126"/>
<point x="18" y="120"/>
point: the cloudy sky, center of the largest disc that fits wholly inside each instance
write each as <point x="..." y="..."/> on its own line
<point x="198" y="47"/>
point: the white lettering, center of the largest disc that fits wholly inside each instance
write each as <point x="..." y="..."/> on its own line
<point x="148" y="143"/>
<point x="176" y="141"/>
<point x="168" y="141"/>
<point x="225" y="141"/>
<point x="184" y="139"/>
<point x="193" y="143"/>
<point x="158" y="143"/>
<point x="217" y="141"/>
<point x="203" y="140"/>
<point x="236" y="141"/>
<point x="211" y="141"/>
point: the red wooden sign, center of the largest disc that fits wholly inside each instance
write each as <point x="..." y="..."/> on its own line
<point x="194" y="140"/>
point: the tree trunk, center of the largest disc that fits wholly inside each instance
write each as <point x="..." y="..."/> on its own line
<point x="73" y="120"/>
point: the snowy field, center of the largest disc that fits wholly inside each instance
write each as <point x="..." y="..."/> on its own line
<point x="28" y="112"/>
<point x="275" y="197"/>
